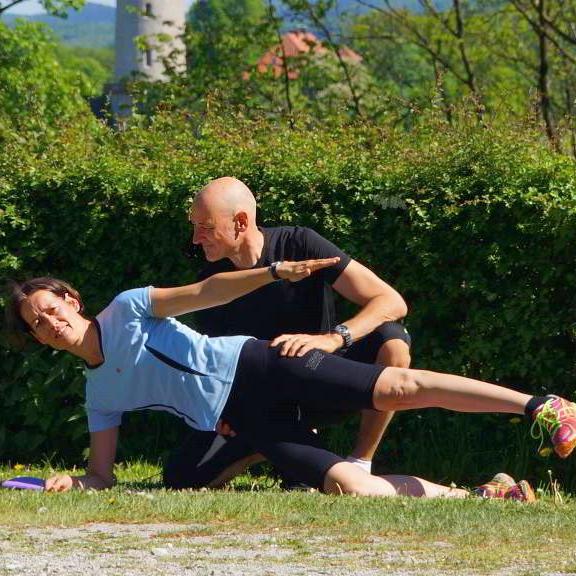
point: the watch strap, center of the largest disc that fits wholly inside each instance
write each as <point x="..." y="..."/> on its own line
<point x="343" y="331"/>
<point x="273" y="270"/>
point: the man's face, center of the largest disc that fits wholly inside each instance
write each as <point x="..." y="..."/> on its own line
<point x="214" y="230"/>
<point x="53" y="320"/>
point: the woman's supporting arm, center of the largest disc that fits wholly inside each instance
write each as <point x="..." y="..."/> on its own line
<point x="100" y="472"/>
<point x="227" y="286"/>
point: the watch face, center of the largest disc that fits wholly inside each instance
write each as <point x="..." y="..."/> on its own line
<point x="345" y="333"/>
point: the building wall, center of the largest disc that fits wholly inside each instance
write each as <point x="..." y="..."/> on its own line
<point x="148" y="18"/>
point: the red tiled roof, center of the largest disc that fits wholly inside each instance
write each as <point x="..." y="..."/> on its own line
<point x="296" y="44"/>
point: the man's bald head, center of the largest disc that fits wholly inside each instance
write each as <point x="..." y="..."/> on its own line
<point x="223" y="215"/>
<point x="228" y="195"/>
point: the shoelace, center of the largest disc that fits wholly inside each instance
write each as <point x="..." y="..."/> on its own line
<point x="548" y="418"/>
<point x="493" y="490"/>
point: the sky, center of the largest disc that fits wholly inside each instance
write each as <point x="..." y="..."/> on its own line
<point x="33" y="6"/>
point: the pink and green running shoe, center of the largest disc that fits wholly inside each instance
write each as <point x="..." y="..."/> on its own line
<point x="497" y="487"/>
<point x="521" y="492"/>
<point x="558" y="417"/>
<point x="505" y="487"/>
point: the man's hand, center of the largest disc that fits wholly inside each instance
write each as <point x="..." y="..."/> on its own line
<point x="59" y="483"/>
<point x="299" y="344"/>
<point x="294" y="271"/>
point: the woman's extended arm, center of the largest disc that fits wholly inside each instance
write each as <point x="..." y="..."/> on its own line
<point x="227" y="286"/>
<point x="100" y="472"/>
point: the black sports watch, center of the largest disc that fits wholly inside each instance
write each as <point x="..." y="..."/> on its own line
<point x="343" y="331"/>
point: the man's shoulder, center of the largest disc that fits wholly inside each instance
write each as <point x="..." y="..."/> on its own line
<point x="288" y="230"/>
<point x="297" y="235"/>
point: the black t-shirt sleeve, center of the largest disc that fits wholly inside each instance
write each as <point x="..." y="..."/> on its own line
<point x="280" y="307"/>
<point x="312" y="245"/>
<point x="213" y="321"/>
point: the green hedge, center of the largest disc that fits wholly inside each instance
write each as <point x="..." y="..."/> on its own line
<point x="476" y="227"/>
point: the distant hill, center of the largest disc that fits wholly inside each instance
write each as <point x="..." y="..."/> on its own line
<point x="93" y="26"/>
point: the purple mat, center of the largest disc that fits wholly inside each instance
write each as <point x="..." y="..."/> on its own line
<point x="24" y="483"/>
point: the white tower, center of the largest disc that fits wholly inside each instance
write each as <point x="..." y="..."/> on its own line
<point x="147" y="32"/>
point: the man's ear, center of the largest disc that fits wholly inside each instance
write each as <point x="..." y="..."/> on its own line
<point x="241" y="221"/>
<point x="72" y="301"/>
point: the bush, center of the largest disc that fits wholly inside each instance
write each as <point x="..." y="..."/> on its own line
<point x="475" y="227"/>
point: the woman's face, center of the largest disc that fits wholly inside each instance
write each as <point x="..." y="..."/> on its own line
<point x="53" y="320"/>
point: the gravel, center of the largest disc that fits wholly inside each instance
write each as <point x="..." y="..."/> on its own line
<point x="196" y="550"/>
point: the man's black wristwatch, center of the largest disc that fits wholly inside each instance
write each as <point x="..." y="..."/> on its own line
<point x="343" y="331"/>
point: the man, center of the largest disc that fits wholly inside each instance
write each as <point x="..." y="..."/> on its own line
<point x="297" y="318"/>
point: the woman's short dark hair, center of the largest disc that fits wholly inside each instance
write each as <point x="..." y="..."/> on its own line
<point x="18" y="292"/>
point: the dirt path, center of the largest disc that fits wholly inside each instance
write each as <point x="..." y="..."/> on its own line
<point x="191" y="550"/>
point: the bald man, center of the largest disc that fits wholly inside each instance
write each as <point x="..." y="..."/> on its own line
<point x="294" y="317"/>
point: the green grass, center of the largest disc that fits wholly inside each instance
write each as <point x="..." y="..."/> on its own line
<point x="447" y="535"/>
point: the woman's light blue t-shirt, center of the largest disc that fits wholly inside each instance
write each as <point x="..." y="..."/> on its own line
<point x="157" y="364"/>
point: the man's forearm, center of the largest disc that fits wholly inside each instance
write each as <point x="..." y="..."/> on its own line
<point x="376" y="311"/>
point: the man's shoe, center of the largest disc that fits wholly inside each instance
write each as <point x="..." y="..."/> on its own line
<point x="558" y="417"/>
<point x="295" y="486"/>
<point x="521" y="492"/>
<point x="498" y="487"/>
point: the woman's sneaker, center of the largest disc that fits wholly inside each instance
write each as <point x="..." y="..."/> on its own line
<point x="497" y="487"/>
<point x="521" y="492"/>
<point x="558" y="417"/>
<point x="505" y="487"/>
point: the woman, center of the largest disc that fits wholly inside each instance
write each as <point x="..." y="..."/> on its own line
<point x="139" y="357"/>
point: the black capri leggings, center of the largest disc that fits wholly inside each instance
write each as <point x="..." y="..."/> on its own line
<point x="266" y="383"/>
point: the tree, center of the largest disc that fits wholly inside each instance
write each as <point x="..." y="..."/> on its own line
<point x="444" y="39"/>
<point x="36" y="93"/>
<point x="54" y="7"/>
<point x="95" y="65"/>
<point x="552" y="22"/>
<point x="225" y="37"/>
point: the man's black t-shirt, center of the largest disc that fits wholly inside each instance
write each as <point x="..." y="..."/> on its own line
<point x="281" y="307"/>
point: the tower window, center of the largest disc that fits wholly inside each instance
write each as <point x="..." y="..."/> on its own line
<point x="148" y="9"/>
<point x="148" y="56"/>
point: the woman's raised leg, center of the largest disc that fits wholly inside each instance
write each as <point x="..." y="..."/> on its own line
<point x="408" y="389"/>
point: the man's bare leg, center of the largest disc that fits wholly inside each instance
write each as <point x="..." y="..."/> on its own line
<point x="373" y="424"/>
<point x="235" y="469"/>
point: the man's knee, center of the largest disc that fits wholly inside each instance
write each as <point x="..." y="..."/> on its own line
<point x="394" y="353"/>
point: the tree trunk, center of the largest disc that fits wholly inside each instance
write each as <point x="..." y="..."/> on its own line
<point x="470" y="76"/>
<point x="544" y="77"/>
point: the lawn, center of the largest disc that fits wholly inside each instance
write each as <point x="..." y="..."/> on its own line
<point x="255" y="520"/>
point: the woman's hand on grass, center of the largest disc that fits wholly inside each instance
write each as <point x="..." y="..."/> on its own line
<point x="59" y="483"/>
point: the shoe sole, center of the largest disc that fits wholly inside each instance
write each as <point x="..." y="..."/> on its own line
<point x="564" y="449"/>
